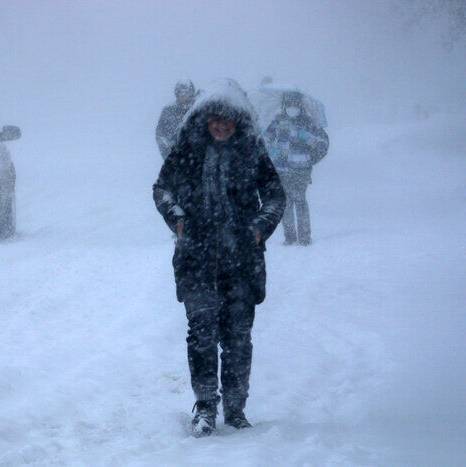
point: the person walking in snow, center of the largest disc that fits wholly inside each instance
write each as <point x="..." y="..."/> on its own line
<point x="219" y="192"/>
<point x="172" y="116"/>
<point x="296" y="143"/>
<point x="7" y="183"/>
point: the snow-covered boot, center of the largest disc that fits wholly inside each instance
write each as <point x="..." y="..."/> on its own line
<point x="203" y="423"/>
<point x="235" y="417"/>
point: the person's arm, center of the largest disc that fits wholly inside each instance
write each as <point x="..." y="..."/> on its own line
<point x="162" y="131"/>
<point x="276" y="151"/>
<point x="270" y="133"/>
<point x="272" y="198"/>
<point x="319" y="145"/>
<point x="164" y="195"/>
<point x="311" y="140"/>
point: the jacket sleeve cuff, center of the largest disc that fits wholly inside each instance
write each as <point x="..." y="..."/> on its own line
<point x="262" y="226"/>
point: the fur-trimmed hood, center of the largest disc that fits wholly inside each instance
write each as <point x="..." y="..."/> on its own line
<point x="224" y="98"/>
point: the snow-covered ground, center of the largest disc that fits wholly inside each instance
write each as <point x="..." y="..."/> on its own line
<point x="359" y="356"/>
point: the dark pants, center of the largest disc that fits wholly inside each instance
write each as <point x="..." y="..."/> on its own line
<point x="223" y="317"/>
<point x="295" y="185"/>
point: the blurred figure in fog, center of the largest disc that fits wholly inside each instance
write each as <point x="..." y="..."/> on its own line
<point x="7" y="183"/>
<point x="295" y="144"/>
<point x="172" y="116"/>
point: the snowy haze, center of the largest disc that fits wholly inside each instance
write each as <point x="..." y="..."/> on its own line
<point x="359" y="347"/>
<point x="96" y="67"/>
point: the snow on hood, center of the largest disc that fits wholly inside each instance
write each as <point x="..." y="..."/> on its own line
<point x="224" y="97"/>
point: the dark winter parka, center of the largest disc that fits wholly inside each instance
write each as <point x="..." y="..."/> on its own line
<point x="256" y="200"/>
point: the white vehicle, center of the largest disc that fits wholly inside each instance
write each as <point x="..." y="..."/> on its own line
<point x="7" y="183"/>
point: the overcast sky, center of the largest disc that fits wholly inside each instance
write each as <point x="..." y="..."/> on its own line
<point x="99" y="66"/>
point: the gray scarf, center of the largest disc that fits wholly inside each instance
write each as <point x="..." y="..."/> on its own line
<point x="217" y="204"/>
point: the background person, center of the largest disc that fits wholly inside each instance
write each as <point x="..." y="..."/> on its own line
<point x="7" y="183"/>
<point x="296" y="144"/>
<point x="172" y="116"/>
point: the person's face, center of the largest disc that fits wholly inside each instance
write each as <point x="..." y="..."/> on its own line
<point x="184" y="97"/>
<point x="292" y="111"/>
<point x="221" y="129"/>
